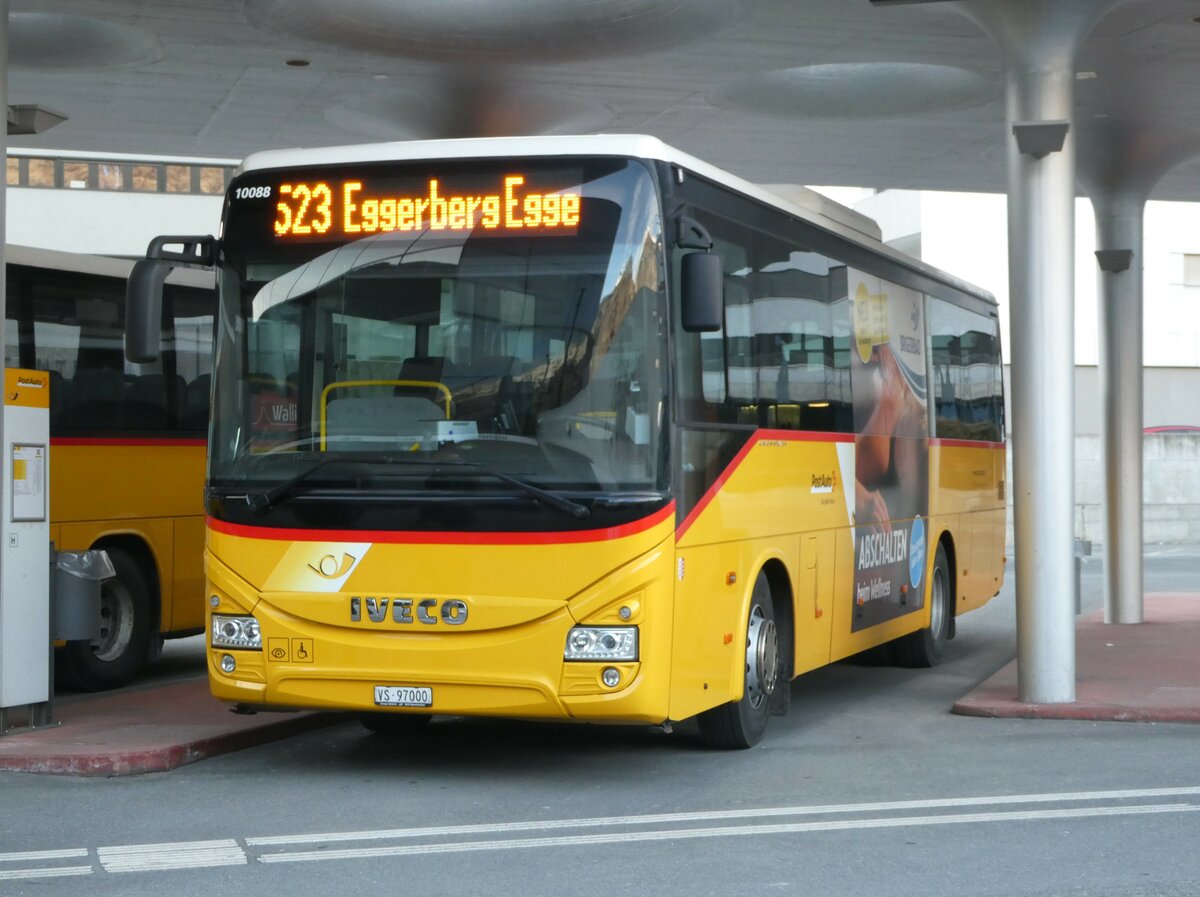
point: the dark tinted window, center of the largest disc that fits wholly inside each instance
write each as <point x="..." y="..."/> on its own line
<point x="783" y="358"/>
<point x="73" y="326"/>
<point x="968" y="390"/>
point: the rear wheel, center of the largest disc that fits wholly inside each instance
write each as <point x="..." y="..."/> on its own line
<point x="115" y="657"/>
<point x="925" y="647"/>
<point x="740" y="724"/>
<point x="394" y="723"/>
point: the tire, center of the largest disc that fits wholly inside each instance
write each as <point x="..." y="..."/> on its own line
<point x="125" y="633"/>
<point x="395" y="723"/>
<point x="740" y="724"/>
<point x="925" y="647"/>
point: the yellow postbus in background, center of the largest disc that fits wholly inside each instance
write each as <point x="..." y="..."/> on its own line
<point x="580" y="429"/>
<point x="126" y="446"/>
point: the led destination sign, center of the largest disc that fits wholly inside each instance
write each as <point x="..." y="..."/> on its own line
<point x="350" y="208"/>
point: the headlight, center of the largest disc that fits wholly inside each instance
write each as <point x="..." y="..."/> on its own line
<point x="236" y="632"/>
<point x="607" y="643"/>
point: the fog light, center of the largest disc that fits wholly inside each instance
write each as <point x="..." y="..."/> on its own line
<point x="611" y="677"/>
<point x="228" y="664"/>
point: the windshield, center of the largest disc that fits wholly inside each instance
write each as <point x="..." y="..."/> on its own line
<point x="391" y="362"/>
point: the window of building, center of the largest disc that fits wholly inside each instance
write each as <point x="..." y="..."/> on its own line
<point x="110" y="176"/>
<point x="75" y="175"/>
<point x="145" y="178"/>
<point x="179" y="178"/>
<point x="140" y="177"/>
<point x="1191" y="269"/>
<point x="41" y="172"/>
<point x="212" y="180"/>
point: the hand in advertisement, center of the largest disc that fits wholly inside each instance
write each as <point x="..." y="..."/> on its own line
<point x="871" y="509"/>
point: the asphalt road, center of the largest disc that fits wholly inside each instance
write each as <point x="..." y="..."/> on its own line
<point x="869" y="787"/>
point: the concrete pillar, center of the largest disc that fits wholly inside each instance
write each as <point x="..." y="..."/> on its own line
<point x="1039" y="40"/>
<point x="1119" y="225"/>
<point x="1120" y="161"/>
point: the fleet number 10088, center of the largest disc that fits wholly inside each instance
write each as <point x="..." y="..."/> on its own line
<point x="252" y="193"/>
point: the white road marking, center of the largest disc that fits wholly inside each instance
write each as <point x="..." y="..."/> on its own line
<point x="47" y="872"/>
<point x="181" y="855"/>
<point x="719" y="832"/>
<point x="34" y="855"/>
<point x="41" y="856"/>
<point x="228" y="852"/>
<point x="716" y="815"/>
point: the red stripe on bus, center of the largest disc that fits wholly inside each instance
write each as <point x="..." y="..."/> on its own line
<point x="434" y="538"/>
<point x="759" y="436"/>
<point x="121" y="440"/>
<point x="967" y="443"/>
<point x="804" y="436"/>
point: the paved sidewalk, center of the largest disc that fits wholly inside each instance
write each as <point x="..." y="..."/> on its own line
<point x="145" y="730"/>
<point x="1149" y="672"/>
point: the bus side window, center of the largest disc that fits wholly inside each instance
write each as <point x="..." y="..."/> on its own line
<point x="144" y="404"/>
<point x="195" y="403"/>
<point x="968" y="385"/>
<point x="782" y="359"/>
<point x="190" y="346"/>
<point x="59" y="398"/>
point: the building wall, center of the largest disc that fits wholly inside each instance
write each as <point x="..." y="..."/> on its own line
<point x="99" y="223"/>
<point x="1171" y="505"/>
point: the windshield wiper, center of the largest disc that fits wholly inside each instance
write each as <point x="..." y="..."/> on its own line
<point x="261" y="502"/>
<point x="558" y="502"/>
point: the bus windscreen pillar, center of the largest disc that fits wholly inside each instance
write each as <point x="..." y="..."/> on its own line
<point x="25" y="572"/>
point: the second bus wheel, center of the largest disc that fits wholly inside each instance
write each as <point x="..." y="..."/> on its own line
<point x="925" y="647"/>
<point x="740" y="724"/>
<point x="116" y="656"/>
<point x="394" y="723"/>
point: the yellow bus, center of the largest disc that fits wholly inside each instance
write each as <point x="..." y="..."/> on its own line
<point x="578" y="429"/>
<point x="126" y="446"/>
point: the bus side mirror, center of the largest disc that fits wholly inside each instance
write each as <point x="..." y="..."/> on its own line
<point x="143" y="309"/>
<point x="144" y="290"/>
<point x="702" y="292"/>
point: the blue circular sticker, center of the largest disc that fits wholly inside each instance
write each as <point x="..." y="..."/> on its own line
<point x="916" y="552"/>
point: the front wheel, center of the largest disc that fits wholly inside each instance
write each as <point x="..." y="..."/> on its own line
<point x="118" y="654"/>
<point x="740" y="724"/>
<point x="925" y="647"/>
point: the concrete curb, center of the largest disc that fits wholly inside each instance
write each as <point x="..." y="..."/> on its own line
<point x="147" y="730"/>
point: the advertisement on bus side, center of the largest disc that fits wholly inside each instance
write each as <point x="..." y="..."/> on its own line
<point x="887" y="374"/>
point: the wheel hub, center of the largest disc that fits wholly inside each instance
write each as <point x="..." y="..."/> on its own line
<point x="762" y="657"/>
<point x="116" y="621"/>
<point x="937" y="613"/>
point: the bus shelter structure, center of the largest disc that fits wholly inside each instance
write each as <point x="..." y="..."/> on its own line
<point x="888" y="92"/>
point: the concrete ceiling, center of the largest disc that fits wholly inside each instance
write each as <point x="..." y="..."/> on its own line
<point x="802" y="91"/>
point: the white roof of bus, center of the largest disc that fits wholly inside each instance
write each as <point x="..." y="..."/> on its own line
<point x="102" y="265"/>
<point x="801" y="202"/>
